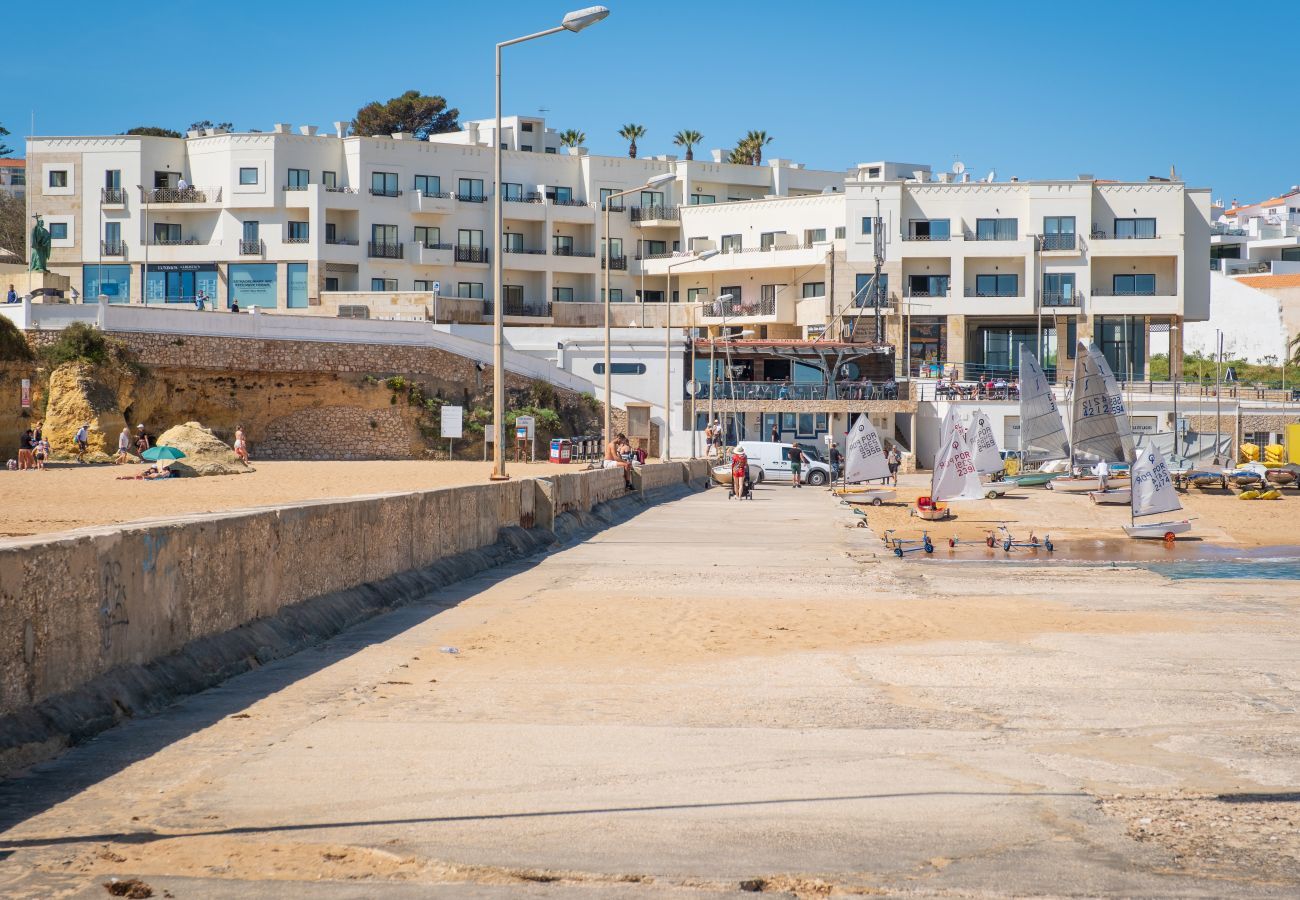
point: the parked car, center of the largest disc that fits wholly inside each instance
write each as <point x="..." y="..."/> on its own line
<point x="773" y="460"/>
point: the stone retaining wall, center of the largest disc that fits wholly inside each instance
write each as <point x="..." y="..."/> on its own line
<point x="79" y="606"/>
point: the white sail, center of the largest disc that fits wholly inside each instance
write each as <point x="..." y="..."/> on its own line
<point x="952" y="424"/>
<point x="864" y="458"/>
<point x="982" y="444"/>
<point x="954" y="476"/>
<point x="1042" y="433"/>
<point x="1153" y="487"/>
<point x="1100" y="421"/>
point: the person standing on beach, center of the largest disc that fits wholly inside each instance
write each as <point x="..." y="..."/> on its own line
<point x="708" y="438"/>
<point x="836" y="458"/>
<point x="895" y="459"/>
<point x="25" y="449"/>
<point x="1103" y="475"/>
<point x="82" y="440"/>
<point x="241" y="443"/>
<point x="796" y="464"/>
<point x="123" y="446"/>
<point x="776" y="433"/>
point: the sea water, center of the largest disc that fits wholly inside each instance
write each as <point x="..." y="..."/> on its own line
<point x="1272" y="569"/>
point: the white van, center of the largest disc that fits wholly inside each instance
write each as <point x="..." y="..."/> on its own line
<point x="774" y="460"/>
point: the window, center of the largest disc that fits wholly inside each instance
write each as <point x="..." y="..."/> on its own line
<point x="527" y="126"/>
<point x="562" y="294"/>
<point x="1058" y="289"/>
<point x="620" y="368"/>
<point x="560" y="195"/>
<point x="652" y="198"/>
<point x="615" y="206"/>
<point x="164" y="233"/>
<point x="298" y="232"/>
<point x="653" y="248"/>
<point x="58" y="178"/>
<point x="616" y="248"/>
<point x="814" y="235"/>
<point x="731" y="243"/>
<point x="331" y="233"/>
<point x="248" y="175"/>
<point x="865" y="293"/>
<point x="427" y="237"/>
<point x="384" y="184"/>
<point x="1134" y="285"/>
<point x="697" y="295"/>
<point x="296" y="296"/>
<point x="469" y="237"/>
<point x="112" y="179"/>
<point x="927" y="285"/>
<point x="929" y="230"/>
<point x="428" y="185"/>
<point x="251" y="284"/>
<point x="59" y="231"/>
<point x="383" y="234"/>
<point x="997" y="285"/>
<point x="331" y="283"/>
<point x="996" y="229"/>
<point x="470" y="289"/>
<point x="512" y="242"/>
<point x="112" y="233"/>
<point x="298" y="179"/>
<point x="866" y="224"/>
<point x="734" y="291"/>
<point x="383" y="284"/>
<point x="615" y="295"/>
<point x="562" y="245"/>
<point x="470" y="189"/>
<point x="839" y="232"/>
<point x="1135" y="228"/>
<point x="330" y="180"/>
<point x="551" y="150"/>
<point x="107" y="284"/>
<point x="526" y="148"/>
<point x="252" y="230"/>
<point x="1058" y="232"/>
<point x="511" y="191"/>
<point x="422" y="284"/>
<point x="703" y="199"/>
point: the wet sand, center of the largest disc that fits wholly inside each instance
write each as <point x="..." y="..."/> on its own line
<point x="70" y="496"/>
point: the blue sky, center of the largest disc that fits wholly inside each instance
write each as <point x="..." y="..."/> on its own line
<point x="1121" y="90"/>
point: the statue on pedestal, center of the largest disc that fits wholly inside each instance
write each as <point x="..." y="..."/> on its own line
<point x="40" y="246"/>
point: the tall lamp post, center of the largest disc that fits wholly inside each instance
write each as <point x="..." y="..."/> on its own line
<point x="655" y="182"/>
<point x="144" y="276"/>
<point x="668" y="332"/>
<point x="575" y="22"/>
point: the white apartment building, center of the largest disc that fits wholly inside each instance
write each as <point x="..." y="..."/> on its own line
<point x="13" y="178"/>
<point x="276" y="220"/>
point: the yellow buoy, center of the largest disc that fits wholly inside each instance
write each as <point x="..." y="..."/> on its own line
<point x="1248" y="495"/>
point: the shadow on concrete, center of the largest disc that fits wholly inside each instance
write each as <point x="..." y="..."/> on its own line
<point x="148" y="837"/>
<point x="114" y="721"/>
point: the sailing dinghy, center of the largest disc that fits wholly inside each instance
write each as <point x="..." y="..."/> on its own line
<point x="864" y="460"/>
<point x="1153" y="494"/>
<point x="984" y="452"/>
<point x="1100" y="421"/>
<point x="1042" y="433"/>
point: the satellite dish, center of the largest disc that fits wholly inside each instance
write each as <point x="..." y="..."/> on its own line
<point x="991" y="176"/>
<point x="958" y="167"/>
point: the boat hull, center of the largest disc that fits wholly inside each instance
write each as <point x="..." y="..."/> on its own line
<point x="1074" y="485"/>
<point x="1113" y="497"/>
<point x="721" y="474"/>
<point x="1034" y="479"/>
<point x="868" y="498"/>
<point x="1165" y="531"/>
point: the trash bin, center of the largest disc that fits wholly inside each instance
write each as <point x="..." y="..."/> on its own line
<point x="562" y="451"/>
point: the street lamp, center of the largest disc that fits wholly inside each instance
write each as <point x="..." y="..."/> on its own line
<point x="144" y="276"/>
<point x="575" y="21"/>
<point x="658" y="180"/>
<point x="668" y="332"/>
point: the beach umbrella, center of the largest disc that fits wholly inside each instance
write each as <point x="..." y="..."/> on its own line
<point x="162" y="454"/>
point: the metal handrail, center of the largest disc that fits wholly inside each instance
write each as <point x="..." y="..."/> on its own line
<point x="567" y="202"/>
<point x="384" y="250"/>
<point x="525" y="250"/>
<point x="645" y="213"/>
<point x="1098" y="235"/>
<point x="112" y="248"/>
<point x="435" y="195"/>
<point x="297" y="240"/>
<point x="472" y="254"/>
<point x="339" y="190"/>
<point x="1111" y="292"/>
<point x="112" y="195"/>
<point x="974" y="292"/>
<point x="296" y="187"/>
<point x="342" y="242"/>
<point x="384" y="192"/>
<point x="179" y="242"/>
<point x="1061" y="298"/>
<point x="1059" y="241"/>
<point x="519" y="308"/>
<point x="927" y="238"/>
<point x="428" y="246"/>
<point x="251" y="248"/>
<point x="569" y="251"/>
<point x="471" y="198"/>
<point x="616" y="263"/>
<point x="738" y="307"/>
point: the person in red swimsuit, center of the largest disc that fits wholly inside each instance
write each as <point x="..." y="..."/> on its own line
<point x="739" y="472"/>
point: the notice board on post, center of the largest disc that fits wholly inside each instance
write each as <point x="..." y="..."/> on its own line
<point x="453" y="418"/>
<point x="638" y="421"/>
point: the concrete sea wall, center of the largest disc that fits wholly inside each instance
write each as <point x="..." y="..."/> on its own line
<point x="102" y="623"/>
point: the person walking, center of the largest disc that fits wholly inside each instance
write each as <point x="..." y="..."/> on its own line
<point x="241" y="443"/>
<point x="25" y="441"/>
<point x="141" y="440"/>
<point x="894" y="459"/>
<point x="739" y="472"/>
<point x="776" y="433"/>
<point x="835" y="458"/>
<point x="123" y="447"/>
<point x="82" y="441"/>
<point x="796" y="464"/>
<point x="40" y="453"/>
<point x="708" y="439"/>
<point x="234" y="306"/>
<point x="1103" y="475"/>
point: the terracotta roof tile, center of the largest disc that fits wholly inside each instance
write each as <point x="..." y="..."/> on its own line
<point x="1270" y="281"/>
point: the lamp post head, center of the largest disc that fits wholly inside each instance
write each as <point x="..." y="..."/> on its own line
<point x="707" y="254"/>
<point x="725" y="297"/>
<point x="581" y="18"/>
<point x="661" y="178"/>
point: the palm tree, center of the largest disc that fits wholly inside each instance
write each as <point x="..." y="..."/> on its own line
<point x="756" y="141"/>
<point x="573" y="138"/>
<point x="630" y="133"/>
<point x="741" y="156"/>
<point x="688" y="139"/>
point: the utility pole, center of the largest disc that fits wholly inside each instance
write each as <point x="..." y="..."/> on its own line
<point x="878" y="247"/>
<point x="1218" y="399"/>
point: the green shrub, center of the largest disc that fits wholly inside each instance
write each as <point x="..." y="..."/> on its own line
<point x="78" y="342"/>
<point x="13" y="346"/>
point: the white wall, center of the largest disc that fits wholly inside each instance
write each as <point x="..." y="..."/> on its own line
<point x="1251" y="322"/>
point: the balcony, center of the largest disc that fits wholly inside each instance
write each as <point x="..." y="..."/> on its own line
<point x="384" y="250"/>
<point x="574" y="211"/>
<point x="1102" y="243"/>
<point x="426" y="254"/>
<point x="469" y="254"/>
<point x="526" y="251"/>
<point x="252" y="248"/>
<point x="341" y="241"/>
<point x="615" y="263"/>
<point x="524" y="207"/>
<point x="1160" y="301"/>
<point x="296" y="187"/>
<point x="112" y="248"/>
<point x="715" y="311"/>
<point x="927" y="238"/>
<point x="1098" y="235"/>
<point x="385" y="192"/>
<point x="656" y="215"/>
<point x="511" y="306"/>
<point x="183" y="251"/>
<point x="570" y="251"/>
<point x="972" y="292"/>
<point x="181" y="195"/>
<point x="471" y="198"/>
<point x="780" y="255"/>
<point x="1060" y="298"/>
<point x="297" y="240"/>
<point x="438" y="203"/>
<point x="1056" y="242"/>
<point x="112" y="196"/>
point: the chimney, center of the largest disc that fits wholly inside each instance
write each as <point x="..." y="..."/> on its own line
<point x="471" y="128"/>
<point x="308" y="130"/>
<point x="717" y="155"/>
<point x="1014" y="179"/>
<point x="340" y="130"/>
<point x="965" y="177"/>
<point x="282" y="128"/>
<point x="193" y="133"/>
<point x="919" y="175"/>
<point x="402" y="135"/>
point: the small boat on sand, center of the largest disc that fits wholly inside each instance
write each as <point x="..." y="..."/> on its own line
<point x="1120" y="496"/>
<point x="1153" y="494"/>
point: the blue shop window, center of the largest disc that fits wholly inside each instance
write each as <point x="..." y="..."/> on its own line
<point x="113" y="283"/>
<point x="252" y="284"/>
<point x="297" y="297"/>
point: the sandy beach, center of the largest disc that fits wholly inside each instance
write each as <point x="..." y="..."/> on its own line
<point x="70" y="496"/>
